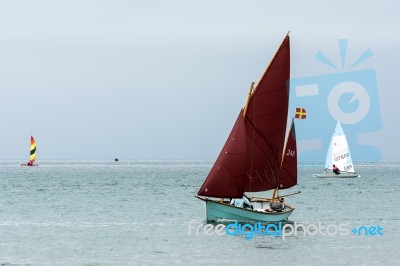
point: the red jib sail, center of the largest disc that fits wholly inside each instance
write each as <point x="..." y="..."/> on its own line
<point x="251" y="158"/>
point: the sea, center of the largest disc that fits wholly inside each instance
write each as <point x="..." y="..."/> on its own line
<point x="146" y="213"/>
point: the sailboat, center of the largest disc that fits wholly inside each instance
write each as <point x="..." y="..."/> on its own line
<point x="338" y="155"/>
<point x="32" y="155"/>
<point x="256" y="156"/>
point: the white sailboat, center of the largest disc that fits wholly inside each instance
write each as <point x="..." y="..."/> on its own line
<point x="338" y="155"/>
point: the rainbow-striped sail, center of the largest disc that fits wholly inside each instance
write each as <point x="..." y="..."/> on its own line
<point x="32" y="156"/>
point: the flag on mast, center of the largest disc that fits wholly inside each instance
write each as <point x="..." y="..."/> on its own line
<point x="300" y="113"/>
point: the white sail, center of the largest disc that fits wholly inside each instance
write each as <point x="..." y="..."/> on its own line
<point x="339" y="152"/>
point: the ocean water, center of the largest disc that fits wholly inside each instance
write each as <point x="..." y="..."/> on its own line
<point x="139" y="212"/>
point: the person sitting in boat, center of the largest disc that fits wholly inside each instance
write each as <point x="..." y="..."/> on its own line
<point x="29" y="163"/>
<point x="242" y="203"/>
<point x="336" y="170"/>
<point x="278" y="206"/>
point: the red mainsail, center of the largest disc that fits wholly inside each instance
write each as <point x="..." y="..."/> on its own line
<point x="251" y="159"/>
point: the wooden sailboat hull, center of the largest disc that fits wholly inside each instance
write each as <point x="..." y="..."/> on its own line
<point x="341" y="175"/>
<point x="217" y="210"/>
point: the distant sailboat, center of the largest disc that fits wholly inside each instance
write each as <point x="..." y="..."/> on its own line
<point x="256" y="156"/>
<point x="338" y="155"/>
<point x="32" y="156"/>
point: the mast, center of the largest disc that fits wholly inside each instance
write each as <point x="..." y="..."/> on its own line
<point x="251" y="90"/>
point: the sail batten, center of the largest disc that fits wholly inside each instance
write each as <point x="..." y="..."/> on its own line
<point x="253" y="162"/>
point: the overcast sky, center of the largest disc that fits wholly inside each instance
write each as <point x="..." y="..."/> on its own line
<point x="166" y="79"/>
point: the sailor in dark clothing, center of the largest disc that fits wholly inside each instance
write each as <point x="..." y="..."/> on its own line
<point x="336" y="170"/>
<point x="278" y="206"/>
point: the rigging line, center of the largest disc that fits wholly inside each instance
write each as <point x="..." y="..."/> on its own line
<point x="275" y="166"/>
<point x="269" y="163"/>
<point x="271" y="150"/>
<point x="298" y="189"/>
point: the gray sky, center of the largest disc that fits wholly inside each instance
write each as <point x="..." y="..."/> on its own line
<point x="166" y="79"/>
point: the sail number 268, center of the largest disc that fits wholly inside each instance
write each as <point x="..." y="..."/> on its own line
<point x="290" y="153"/>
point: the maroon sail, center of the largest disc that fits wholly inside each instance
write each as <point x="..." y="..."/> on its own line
<point x="288" y="174"/>
<point x="251" y="158"/>
<point x="267" y="114"/>
<point x="227" y="176"/>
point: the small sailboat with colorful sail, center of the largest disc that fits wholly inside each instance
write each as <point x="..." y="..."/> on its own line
<point x="338" y="159"/>
<point x="32" y="154"/>
<point x="256" y="157"/>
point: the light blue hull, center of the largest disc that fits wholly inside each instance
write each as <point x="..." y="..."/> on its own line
<point x="216" y="210"/>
